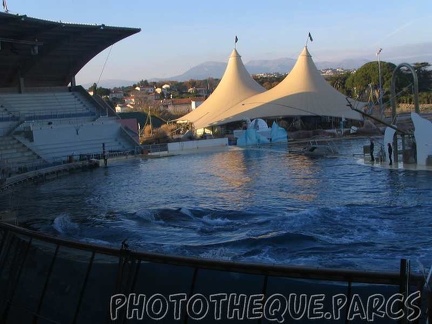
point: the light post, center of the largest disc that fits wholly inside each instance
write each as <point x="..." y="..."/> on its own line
<point x="379" y="81"/>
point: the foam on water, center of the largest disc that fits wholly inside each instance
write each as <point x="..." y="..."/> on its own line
<point x="149" y="216"/>
<point x="64" y="225"/>
<point x="218" y="221"/>
<point x="187" y="212"/>
<point x="259" y="205"/>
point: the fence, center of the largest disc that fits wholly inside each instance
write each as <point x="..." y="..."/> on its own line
<point x="44" y="279"/>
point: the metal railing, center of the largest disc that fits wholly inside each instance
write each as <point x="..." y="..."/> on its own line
<point x="39" y="171"/>
<point x="52" y="280"/>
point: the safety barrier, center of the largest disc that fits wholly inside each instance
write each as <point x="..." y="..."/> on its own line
<point x="45" y="279"/>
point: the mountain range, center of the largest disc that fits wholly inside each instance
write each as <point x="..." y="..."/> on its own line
<point x="403" y="54"/>
<point x="212" y="69"/>
<point x="282" y="65"/>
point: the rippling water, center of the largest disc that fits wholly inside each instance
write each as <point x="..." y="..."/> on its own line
<point x="256" y="205"/>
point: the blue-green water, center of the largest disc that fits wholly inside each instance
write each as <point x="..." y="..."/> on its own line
<point x="257" y="205"/>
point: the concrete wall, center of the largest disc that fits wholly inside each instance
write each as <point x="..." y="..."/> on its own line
<point x="189" y="146"/>
<point x="78" y="132"/>
<point x="423" y="136"/>
<point x="5" y="127"/>
<point x="55" y="141"/>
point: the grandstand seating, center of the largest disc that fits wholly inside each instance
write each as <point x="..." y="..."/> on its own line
<point x="16" y="156"/>
<point x="34" y="106"/>
<point x="48" y="126"/>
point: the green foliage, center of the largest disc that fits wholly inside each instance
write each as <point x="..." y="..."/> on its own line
<point x="424" y="75"/>
<point x="103" y="92"/>
<point x="365" y="81"/>
<point x="368" y="75"/>
<point x="269" y="82"/>
<point x="93" y="88"/>
<point x="353" y="84"/>
<point x="99" y="90"/>
<point x="338" y="81"/>
<point x="425" y="97"/>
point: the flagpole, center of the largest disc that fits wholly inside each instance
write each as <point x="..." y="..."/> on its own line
<point x="5" y="7"/>
<point x="309" y="37"/>
<point x="379" y="81"/>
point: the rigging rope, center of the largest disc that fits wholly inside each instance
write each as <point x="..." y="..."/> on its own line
<point x="103" y="68"/>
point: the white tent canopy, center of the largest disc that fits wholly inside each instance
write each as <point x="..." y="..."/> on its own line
<point x="304" y="92"/>
<point x="236" y="85"/>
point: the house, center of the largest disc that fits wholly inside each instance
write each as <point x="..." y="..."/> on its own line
<point x="202" y="92"/>
<point x="182" y="106"/>
<point x="147" y="90"/>
<point x="118" y="94"/>
<point x="122" y="108"/>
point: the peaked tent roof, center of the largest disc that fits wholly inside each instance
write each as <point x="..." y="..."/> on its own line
<point x="236" y="85"/>
<point x="303" y="92"/>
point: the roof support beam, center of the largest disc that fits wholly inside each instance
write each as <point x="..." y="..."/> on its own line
<point x="21" y="41"/>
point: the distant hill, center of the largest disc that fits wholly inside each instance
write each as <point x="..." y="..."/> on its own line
<point x="216" y="70"/>
<point x="111" y="83"/>
<point x="403" y="54"/>
<point x="281" y="65"/>
<point x="201" y="72"/>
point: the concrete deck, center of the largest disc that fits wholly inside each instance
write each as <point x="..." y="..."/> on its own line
<point x="395" y="165"/>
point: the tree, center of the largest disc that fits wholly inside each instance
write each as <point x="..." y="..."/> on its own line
<point x="191" y="83"/>
<point x="367" y="77"/>
<point x="93" y="88"/>
<point x="338" y="81"/>
<point x="103" y="92"/>
<point x="143" y="83"/>
<point x="424" y="75"/>
<point x="269" y="82"/>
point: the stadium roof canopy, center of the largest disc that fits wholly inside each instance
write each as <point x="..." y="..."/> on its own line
<point x="47" y="53"/>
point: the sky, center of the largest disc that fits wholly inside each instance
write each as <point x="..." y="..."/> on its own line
<point x="178" y="35"/>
